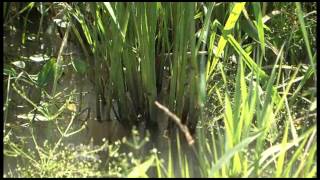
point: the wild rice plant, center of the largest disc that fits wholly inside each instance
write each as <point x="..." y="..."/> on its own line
<point x="146" y="59"/>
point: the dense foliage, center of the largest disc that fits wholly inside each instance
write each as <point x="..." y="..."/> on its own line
<point x="232" y="86"/>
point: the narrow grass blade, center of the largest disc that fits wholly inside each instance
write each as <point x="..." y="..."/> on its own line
<point x="258" y="17"/>
<point x="281" y="158"/>
<point x="305" y="34"/>
<point x="231" y="152"/>
<point x="233" y="17"/>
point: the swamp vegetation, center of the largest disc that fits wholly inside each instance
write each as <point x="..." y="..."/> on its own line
<point x="127" y="89"/>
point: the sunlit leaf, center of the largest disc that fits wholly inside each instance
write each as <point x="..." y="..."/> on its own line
<point x="231" y="22"/>
<point x="313" y="105"/>
<point x="140" y="170"/>
<point x="30" y="116"/>
<point x="72" y="107"/>
<point x="39" y="57"/>
<point x="19" y="64"/>
<point x="61" y="23"/>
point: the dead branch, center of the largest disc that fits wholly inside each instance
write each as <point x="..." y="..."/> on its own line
<point x="177" y="120"/>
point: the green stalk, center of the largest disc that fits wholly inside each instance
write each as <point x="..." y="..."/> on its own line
<point x="305" y="36"/>
<point x="58" y="64"/>
<point x="6" y="105"/>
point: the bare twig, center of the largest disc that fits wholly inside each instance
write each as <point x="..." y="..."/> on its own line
<point x="177" y="120"/>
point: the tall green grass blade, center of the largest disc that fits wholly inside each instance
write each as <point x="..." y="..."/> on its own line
<point x="234" y="15"/>
<point x="281" y="158"/>
<point x="158" y="165"/>
<point x="145" y="26"/>
<point x="240" y="102"/>
<point x="248" y="27"/>
<point x="288" y="171"/>
<point x="292" y="127"/>
<point x="258" y="17"/>
<point x="274" y="151"/>
<point x="307" y="153"/>
<point x="305" y="34"/>
<point x="249" y="107"/>
<point x="170" y="167"/>
<point x="201" y="152"/>
<point x="6" y="104"/>
<point x="237" y="100"/>
<point x="202" y="70"/>
<point x="311" y="160"/>
<point x="224" y="78"/>
<point x="306" y="76"/>
<point x="58" y="64"/>
<point x="205" y="28"/>
<point x="180" y="155"/>
<point x="312" y="173"/>
<point x="114" y="18"/>
<point x="285" y="93"/>
<point x="231" y="152"/>
<point x="187" y="170"/>
<point x="229" y="123"/>
<point x="265" y="116"/>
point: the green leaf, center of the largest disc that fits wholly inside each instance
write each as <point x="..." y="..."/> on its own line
<point x="110" y="10"/>
<point x="9" y="70"/>
<point x="260" y="25"/>
<point x="79" y="65"/>
<point x="234" y="15"/>
<point x="29" y="6"/>
<point x="46" y="74"/>
<point x="249" y="61"/>
<point x="114" y="18"/>
<point x="305" y="33"/>
<point x="229" y="122"/>
<point x="231" y="22"/>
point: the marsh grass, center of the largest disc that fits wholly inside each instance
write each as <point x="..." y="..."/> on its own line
<point x="213" y="66"/>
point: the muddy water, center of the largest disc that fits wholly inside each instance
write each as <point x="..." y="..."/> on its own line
<point x="109" y="129"/>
